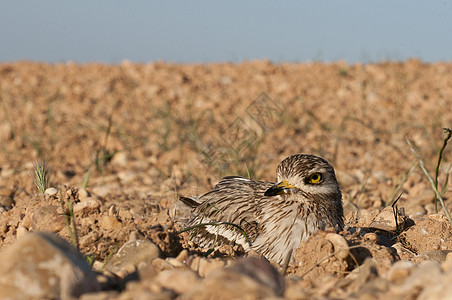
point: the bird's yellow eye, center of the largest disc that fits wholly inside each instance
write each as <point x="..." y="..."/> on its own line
<point x="315" y="178"/>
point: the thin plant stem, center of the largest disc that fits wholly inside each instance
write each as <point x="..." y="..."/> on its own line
<point x="395" y="211"/>
<point x="440" y="156"/>
<point x="397" y="188"/>
<point x="430" y="179"/>
<point x="66" y="219"/>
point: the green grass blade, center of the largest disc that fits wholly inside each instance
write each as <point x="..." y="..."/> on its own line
<point x="40" y="176"/>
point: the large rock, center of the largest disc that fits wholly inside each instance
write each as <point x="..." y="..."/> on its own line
<point x="46" y="218"/>
<point x="385" y="220"/>
<point x="44" y="266"/>
<point x="249" y="278"/>
<point x="131" y="255"/>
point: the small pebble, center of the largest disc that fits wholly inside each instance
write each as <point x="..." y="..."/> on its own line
<point x="133" y="236"/>
<point x="400" y="270"/>
<point x="112" y="210"/>
<point x="110" y="222"/>
<point x="447" y="264"/>
<point x="132" y="255"/>
<point x="182" y="255"/>
<point x="87" y="206"/>
<point x="51" y="191"/>
<point x="341" y="248"/>
<point x="178" y="280"/>
<point x="124" y="214"/>
<point x="175" y="262"/>
<point x="371" y="237"/>
<point x="21" y="231"/>
<point x="83" y="194"/>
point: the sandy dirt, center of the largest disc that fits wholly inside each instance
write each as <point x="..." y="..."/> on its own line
<point x="127" y="139"/>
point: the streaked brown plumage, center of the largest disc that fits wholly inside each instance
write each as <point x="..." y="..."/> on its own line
<point x="275" y="217"/>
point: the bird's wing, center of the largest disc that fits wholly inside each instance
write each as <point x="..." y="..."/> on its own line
<point x="231" y="180"/>
<point x="195" y="201"/>
<point x="234" y="200"/>
<point x="190" y="201"/>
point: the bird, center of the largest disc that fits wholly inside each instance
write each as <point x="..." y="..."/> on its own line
<point x="269" y="218"/>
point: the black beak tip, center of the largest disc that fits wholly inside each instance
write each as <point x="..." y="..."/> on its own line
<point x="273" y="191"/>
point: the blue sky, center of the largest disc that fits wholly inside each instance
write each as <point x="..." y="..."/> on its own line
<point x="110" y="31"/>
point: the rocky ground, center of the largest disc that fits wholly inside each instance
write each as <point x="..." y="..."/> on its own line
<point x="121" y="142"/>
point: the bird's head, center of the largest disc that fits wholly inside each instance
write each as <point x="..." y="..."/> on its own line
<point x="304" y="173"/>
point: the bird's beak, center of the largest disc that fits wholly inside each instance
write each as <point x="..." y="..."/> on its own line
<point x="279" y="188"/>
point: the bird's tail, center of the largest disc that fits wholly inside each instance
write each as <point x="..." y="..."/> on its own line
<point x="189" y="201"/>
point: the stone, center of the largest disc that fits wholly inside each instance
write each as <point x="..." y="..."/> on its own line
<point x="326" y="285"/>
<point x="110" y="222"/>
<point x="447" y="264"/>
<point x="440" y="289"/>
<point x="51" y="191"/>
<point x="415" y="210"/>
<point x="44" y="266"/>
<point x="124" y="214"/>
<point x="127" y="176"/>
<point x="436" y="255"/>
<point x="364" y="273"/>
<point x="371" y="237"/>
<point x="112" y="210"/>
<point x="295" y="289"/>
<point x="88" y="239"/>
<point x="102" y="191"/>
<point x="182" y="256"/>
<point x="438" y="218"/>
<point x="159" y="265"/>
<point x="120" y="159"/>
<point x="87" y="206"/>
<point x="21" y="231"/>
<point x="133" y="235"/>
<point x="399" y="271"/>
<point x="385" y="220"/>
<point x="177" y="280"/>
<point x="366" y="216"/>
<point x="341" y="248"/>
<point x="372" y="290"/>
<point x="204" y="265"/>
<point x="249" y="278"/>
<point x="176" y="263"/>
<point x="83" y="194"/>
<point x="428" y="273"/>
<point x="402" y="251"/>
<point x="46" y="218"/>
<point x="132" y="255"/>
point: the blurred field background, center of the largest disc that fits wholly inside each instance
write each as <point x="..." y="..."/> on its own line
<point x="161" y="129"/>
